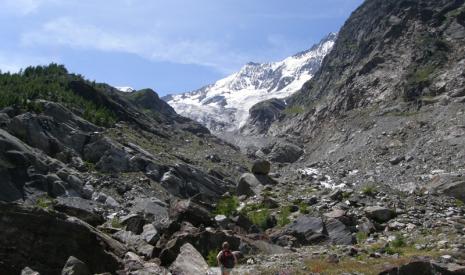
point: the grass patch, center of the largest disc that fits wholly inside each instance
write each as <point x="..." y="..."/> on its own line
<point x="211" y="257"/>
<point x="361" y="237"/>
<point x="294" y="110"/>
<point x="303" y="208"/>
<point x="283" y="216"/>
<point x="227" y="206"/>
<point x="369" y="190"/>
<point x="116" y="223"/>
<point x="459" y="203"/>
<point x="44" y="202"/>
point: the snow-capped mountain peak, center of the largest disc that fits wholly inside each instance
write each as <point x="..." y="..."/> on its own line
<point x="224" y="106"/>
<point x="126" y="89"/>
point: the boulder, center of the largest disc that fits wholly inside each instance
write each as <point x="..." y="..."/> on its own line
<point x="189" y="262"/>
<point x="188" y="211"/>
<point x="284" y="152"/>
<point x="153" y="210"/>
<point x="252" y="184"/>
<point x="418" y="267"/>
<point x="150" y="234"/>
<point x="74" y="266"/>
<point x="454" y="189"/>
<point x="186" y="181"/>
<point x="48" y="233"/>
<point x="133" y="222"/>
<point x="135" y="243"/>
<point x="306" y="229"/>
<point x="396" y="160"/>
<point x="29" y="271"/>
<point x="339" y="233"/>
<point x="261" y="167"/>
<point x="86" y="210"/>
<point x="379" y="214"/>
<point x="203" y="240"/>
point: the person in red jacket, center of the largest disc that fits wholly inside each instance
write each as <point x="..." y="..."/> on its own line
<point x="226" y="259"/>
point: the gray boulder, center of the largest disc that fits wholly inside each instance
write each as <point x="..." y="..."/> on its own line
<point x="86" y="210"/>
<point x="306" y="229"/>
<point x="418" y="267"/>
<point x="379" y="214"/>
<point x="74" y="266"/>
<point x="153" y="210"/>
<point x="261" y="167"/>
<point x="188" y="211"/>
<point x="150" y="234"/>
<point x="189" y="262"/>
<point x="51" y="233"/>
<point x="284" y="152"/>
<point x="29" y="271"/>
<point x="252" y="184"/>
<point x="339" y="233"/>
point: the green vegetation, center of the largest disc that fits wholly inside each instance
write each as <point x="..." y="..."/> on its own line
<point x="211" y="257"/>
<point x="361" y="237"/>
<point x="459" y="203"/>
<point x="399" y="241"/>
<point x="294" y="110"/>
<point x="44" y="202"/>
<point x="259" y="217"/>
<point x="49" y="83"/>
<point x="116" y="223"/>
<point x="258" y="214"/>
<point x="303" y="208"/>
<point x="369" y="190"/>
<point x="227" y="206"/>
<point x="283" y="216"/>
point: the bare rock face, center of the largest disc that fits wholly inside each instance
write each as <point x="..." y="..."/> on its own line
<point x="51" y="233"/>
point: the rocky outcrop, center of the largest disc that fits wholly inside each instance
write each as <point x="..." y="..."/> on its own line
<point x="48" y="231"/>
<point x="189" y="262"/>
<point x="24" y="168"/>
<point x="261" y="115"/>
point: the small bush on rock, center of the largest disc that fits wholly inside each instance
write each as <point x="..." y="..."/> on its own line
<point x="227" y="206"/>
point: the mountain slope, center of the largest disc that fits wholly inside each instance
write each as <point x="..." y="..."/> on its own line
<point x="224" y="106"/>
<point x="390" y="92"/>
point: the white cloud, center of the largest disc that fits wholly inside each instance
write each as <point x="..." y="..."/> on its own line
<point x="154" y="46"/>
<point x="22" y="7"/>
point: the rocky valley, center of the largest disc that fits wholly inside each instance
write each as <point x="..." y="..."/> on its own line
<point x="359" y="171"/>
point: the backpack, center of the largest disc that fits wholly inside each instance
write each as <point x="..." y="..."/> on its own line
<point x="227" y="259"/>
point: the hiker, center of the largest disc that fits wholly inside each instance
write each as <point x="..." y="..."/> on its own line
<point x="226" y="259"/>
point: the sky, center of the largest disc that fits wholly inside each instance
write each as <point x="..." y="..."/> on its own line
<point x="170" y="46"/>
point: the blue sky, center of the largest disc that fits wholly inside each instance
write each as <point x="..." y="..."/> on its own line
<point x="167" y="45"/>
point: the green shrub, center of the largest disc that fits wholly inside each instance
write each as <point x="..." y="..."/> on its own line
<point x="361" y="237"/>
<point x="459" y="203"/>
<point x="116" y="223"/>
<point x="399" y="241"/>
<point x="44" y="202"/>
<point x="211" y="257"/>
<point x="227" y="206"/>
<point x="303" y="208"/>
<point x="283" y="216"/>
<point x="369" y="190"/>
<point x="259" y="217"/>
